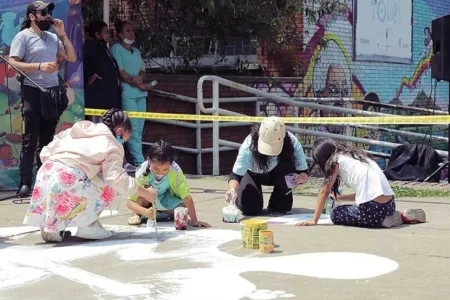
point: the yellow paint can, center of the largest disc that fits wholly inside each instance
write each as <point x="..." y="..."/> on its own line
<point x="266" y="244"/>
<point x="250" y="232"/>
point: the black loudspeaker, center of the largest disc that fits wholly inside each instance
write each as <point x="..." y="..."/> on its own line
<point x="440" y="63"/>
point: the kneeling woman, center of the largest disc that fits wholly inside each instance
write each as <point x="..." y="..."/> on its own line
<point x="81" y="173"/>
<point x="265" y="157"/>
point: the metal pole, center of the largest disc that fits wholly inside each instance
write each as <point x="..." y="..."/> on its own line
<point x="106" y="11"/>
<point x="215" y="131"/>
<point x="198" y="141"/>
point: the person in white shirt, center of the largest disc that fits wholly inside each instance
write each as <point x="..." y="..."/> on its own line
<point x="375" y="204"/>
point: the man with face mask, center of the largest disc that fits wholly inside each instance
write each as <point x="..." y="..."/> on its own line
<point x="37" y="52"/>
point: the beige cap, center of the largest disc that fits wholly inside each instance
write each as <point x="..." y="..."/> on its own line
<point x="271" y="136"/>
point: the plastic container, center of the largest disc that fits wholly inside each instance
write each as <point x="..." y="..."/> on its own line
<point x="266" y="242"/>
<point x="181" y="218"/>
<point x="250" y="232"/>
<point x="329" y="205"/>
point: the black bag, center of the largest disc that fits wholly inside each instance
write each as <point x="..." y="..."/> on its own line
<point x="413" y="163"/>
<point x="54" y="101"/>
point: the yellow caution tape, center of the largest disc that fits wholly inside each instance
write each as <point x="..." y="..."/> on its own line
<point x="439" y="119"/>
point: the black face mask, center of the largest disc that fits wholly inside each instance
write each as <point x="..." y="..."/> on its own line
<point x="44" y="25"/>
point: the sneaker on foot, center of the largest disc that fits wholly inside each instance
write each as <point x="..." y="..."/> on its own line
<point x="414" y="215"/>
<point x="52" y="237"/>
<point x="392" y="221"/>
<point x="95" y="231"/>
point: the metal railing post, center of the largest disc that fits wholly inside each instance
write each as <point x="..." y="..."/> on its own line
<point x="349" y="129"/>
<point x="198" y="141"/>
<point x="215" y="129"/>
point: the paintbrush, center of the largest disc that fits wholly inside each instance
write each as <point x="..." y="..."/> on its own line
<point x="154" y="217"/>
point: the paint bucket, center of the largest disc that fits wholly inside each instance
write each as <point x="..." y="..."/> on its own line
<point x="250" y="232"/>
<point x="181" y="218"/>
<point x="266" y="244"/>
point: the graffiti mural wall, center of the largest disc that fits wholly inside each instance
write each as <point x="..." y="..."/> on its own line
<point x="329" y="70"/>
<point x="12" y="13"/>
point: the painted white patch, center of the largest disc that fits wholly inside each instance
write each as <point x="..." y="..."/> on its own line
<point x="108" y="213"/>
<point x="6" y="232"/>
<point x="220" y="270"/>
<point x="294" y="219"/>
<point x="266" y="295"/>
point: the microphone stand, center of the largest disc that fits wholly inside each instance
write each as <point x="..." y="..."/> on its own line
<point x="21" y="193"/>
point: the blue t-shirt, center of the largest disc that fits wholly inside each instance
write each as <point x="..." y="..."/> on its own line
<point x="132" y="63"/>
<point x="30" y="47"/>
<point x="244" y="161"/>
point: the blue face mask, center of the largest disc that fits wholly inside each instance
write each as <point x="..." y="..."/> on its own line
<point x="120" y="139"/>
<point x="157" y="177"/>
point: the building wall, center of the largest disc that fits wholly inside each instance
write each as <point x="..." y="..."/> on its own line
<point x="405" y="84"/>
<point x="317" y="68"/>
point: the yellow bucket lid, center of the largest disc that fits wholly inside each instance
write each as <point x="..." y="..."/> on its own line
<point x="253" y="222"/>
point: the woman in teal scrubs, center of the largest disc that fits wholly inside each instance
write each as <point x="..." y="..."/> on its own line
<point x="134" y="93"/>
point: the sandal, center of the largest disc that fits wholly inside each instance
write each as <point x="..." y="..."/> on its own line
<point x="134" y="220"/>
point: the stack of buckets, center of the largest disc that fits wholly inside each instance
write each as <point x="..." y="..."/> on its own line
<point x="256" y="235"/>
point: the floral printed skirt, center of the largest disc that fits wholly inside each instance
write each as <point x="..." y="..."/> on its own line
<point x="64" y="197"/>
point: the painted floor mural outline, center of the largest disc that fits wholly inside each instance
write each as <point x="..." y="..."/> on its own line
<point x="22" y="264"/>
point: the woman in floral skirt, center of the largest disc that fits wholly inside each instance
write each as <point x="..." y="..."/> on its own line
<point x="80" y="176"/>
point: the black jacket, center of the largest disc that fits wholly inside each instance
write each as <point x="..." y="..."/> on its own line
<point x="104" y="93"/>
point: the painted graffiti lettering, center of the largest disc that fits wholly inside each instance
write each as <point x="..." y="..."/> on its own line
<point x="386" y="11"/>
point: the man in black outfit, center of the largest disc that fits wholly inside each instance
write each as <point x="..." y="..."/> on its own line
<point x="36" y="51"/>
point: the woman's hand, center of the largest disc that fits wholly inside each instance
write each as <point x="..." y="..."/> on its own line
<point x="93" y="78"/>
<point x="200" y="224"/>
<point x="307" y="223"/>
<point x="301" y="178"/>
<point x="137" y="79"/>
<point x="230" y="195"/>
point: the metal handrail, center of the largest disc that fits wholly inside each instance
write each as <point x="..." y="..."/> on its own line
<point x="215" y="110"/>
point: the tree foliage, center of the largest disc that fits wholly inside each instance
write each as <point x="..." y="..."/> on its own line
<point x="174" y="27"/>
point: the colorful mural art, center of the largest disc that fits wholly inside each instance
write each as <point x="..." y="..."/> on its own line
<point x="12" y="13"/>
<point x="330" y="71"/>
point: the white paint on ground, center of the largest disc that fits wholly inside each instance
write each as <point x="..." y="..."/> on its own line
<point x="212" y="278"/>
<point x="267" y="295"/>
<point x="6" y="232"/>
<point x="294" y="219"/>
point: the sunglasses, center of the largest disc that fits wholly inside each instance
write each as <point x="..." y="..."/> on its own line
<point x="44" y="12"/>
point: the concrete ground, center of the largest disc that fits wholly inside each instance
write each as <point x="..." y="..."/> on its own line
<point x="321" y="262"/>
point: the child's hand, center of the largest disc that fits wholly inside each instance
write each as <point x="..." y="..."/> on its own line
<point x="307" y="223"/>
<point x="200" y="224"/>
<point x="301" y="178"/>
<point x="150" y="214"/>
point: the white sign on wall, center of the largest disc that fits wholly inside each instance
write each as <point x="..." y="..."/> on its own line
<point x="383" y="30"/>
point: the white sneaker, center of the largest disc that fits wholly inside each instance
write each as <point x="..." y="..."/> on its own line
<point x="95" y="231"/>
<point x="51" y="237"/>
<point x="392" y="221"/>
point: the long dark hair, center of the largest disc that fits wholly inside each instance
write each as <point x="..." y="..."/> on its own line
<point x="114" y="118"/>
<point x="324" y="154"/>
<point x="261" y="160"/>
<point x="26" y="23"/>
<point x="95" y="26"/>
<point x="161" y="151"/>
<point x="119" y="24"/>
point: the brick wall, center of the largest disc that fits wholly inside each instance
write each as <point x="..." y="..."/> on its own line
<point x="186" y="85"/>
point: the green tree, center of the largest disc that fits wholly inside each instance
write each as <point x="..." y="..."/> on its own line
<point x="179" y="27"/>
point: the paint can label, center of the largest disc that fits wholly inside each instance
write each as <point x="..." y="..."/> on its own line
<point x="250" y="232"/>
<point x="266" y="244"/>
<point x="181" y="218"/>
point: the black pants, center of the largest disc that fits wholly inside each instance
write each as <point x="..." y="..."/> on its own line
<point x="38" y="133"/>
<point x="250" y="197"/>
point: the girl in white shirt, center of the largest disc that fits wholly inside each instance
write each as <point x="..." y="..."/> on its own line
<point x="375" y="204"/>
